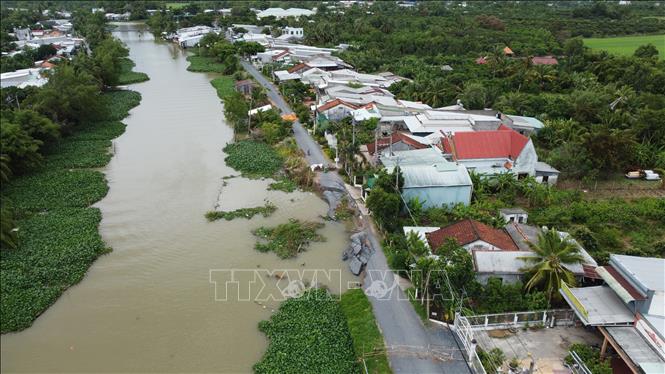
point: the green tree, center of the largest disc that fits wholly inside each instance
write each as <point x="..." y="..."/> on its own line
<point x="70" y="96"/>
<point x="546" y="267"/>
<point x="646" y="51"/>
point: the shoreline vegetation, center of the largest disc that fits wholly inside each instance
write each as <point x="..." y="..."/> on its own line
<point x="57" y="227"/>
<point x="344" y="331"/>
<point x="128" y="75"/>
<point x="247" y="213"/>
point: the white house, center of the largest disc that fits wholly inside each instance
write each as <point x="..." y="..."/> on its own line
<point x="280" y="13"/>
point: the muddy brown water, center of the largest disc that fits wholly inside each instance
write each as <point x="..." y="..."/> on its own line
<point x="149" y="306"/>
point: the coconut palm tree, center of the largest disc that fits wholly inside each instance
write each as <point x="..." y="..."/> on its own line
<point x="546" y="265"/>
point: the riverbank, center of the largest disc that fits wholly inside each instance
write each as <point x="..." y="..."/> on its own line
<point x="58" y="229"/>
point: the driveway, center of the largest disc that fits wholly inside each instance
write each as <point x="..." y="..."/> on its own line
<point x="411" y="347"/>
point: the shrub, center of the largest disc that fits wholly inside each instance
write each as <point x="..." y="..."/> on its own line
<point x="288" y="239"/>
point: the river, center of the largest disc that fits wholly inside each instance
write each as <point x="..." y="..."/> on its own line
<point x="149" y="305"/>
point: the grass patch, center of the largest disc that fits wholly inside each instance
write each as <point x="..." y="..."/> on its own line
<point x="288" y="239"/>
<point x="253" y="159"/>
<point x="175" y="6"/>
<point x="308" y="334"/>
<point x="202" y="64"/>
<point x="128" y="75"/>
<point x="367" y="339"/>
<point x="626" y="45"/>
<point x="118" y="104"/>
<point x="224" y="85"/>
<point x="58" y="231"/>
<point x="246" y="213"/>
<point x="283" y="184"/>
<point x="55" y="250"/>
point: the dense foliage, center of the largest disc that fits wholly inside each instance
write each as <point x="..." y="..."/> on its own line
<point x="246" y="213"/>
<point x="57" y="229"/>
<point x="288" y="239"/>
<point x="252" y="158"/>
<point x="308" y="334"/>
<point x="591" y="358"/>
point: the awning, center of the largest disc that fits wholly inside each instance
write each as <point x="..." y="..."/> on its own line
<point x="597" y="306"/>
<point x="631" y="345"/>
<point x="623" y="289"/>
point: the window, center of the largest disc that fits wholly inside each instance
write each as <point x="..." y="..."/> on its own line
<point x="512" y="219"/>
<point x="546" y="178"/>
<point x="520" y="220"/>
<point x="522" y="175"/>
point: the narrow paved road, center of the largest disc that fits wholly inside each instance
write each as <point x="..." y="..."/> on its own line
<point x="412" y="348"/>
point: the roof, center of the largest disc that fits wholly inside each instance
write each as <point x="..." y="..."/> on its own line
<point x="502" y="143"/>
<point x="420" y="231"/>
<point x="499" y="262"/>
<point x="297" y="67"/>
<point x="544" y="60"/>
<point x="427" y="168"/>
<point x="597" y="306"/>
<point x="523" y="121"/>
<point x="634" y="345"/>
<point x="396" y="138"/>
<point x="469" y="231"/>
<point x="647" y="272"/>
<point x="244" y="82"/>
<point x="512" y="211"/>
<point x="619" y="284"/>
<point x="334" y="103"/>
<point x="508" y="51"/>
<point x="544" y="167"/>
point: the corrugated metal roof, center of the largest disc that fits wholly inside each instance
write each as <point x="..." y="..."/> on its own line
<point x="648" y="271"/>
<point x="499" y="262"/>
<point x="600" y="306"/>
<point x="639" y="351"/>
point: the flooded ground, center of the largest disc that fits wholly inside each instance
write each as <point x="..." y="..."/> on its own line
<point x="149" y="306"/>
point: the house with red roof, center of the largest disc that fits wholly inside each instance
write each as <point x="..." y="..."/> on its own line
<point x="398" y="141"/>
<point x="495" y="152"/>
<point x="472" y="235"/>
<point x="336" y="110"/>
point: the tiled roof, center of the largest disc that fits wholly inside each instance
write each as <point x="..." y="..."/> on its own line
<point x="396" y="138"/>
<point x="500" y="143"/>
<point x="334" y="103"/>
<point x="469" y="231"/>
<point x="508" y="51"/>
<point x="297" y="68"/>
<point x="544" y="60"/>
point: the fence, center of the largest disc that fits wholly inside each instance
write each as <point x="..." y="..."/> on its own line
<point x="578" y="366"/>
<point x="551" y="318"/>
<point x="464" y="332"/>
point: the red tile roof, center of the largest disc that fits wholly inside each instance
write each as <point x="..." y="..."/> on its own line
<point x="500" y="143"/>
<point x="283" y="53"/>
<point x="468" y="231"/>
<point x="334" y="103"/>
<point x="508" y="51"/>
<point x="396" y="138"/>
<point x="544" y="60"/>
<point x="297" y="68"/>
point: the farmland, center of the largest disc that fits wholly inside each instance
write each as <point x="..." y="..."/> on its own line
<point x="626" y="45"/>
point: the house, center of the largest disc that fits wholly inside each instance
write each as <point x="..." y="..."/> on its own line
<point x="23" y="78"/>
<point x="508" y="52"/>
<point x="498" y="252"/>
<point x="496" y="152"/>
<point x="335" y="110"/>
<point x="245" y="86"/>
<point x="628" y="310"/>
<point x="518" y="215"/>
<point x="292" y="32"/>
<point x="544" y="60"/>
<point x="524" y="125"/>
<point x="473" y="235"/>
<point x="398" y="141"/>
<point x="430" y="178"/>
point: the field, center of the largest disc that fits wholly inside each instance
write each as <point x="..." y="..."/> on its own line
<point x="175" y="6"/>
<point x="626" y="45"/>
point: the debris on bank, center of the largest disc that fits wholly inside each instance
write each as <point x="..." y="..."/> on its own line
<point x="358" y="252"/>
